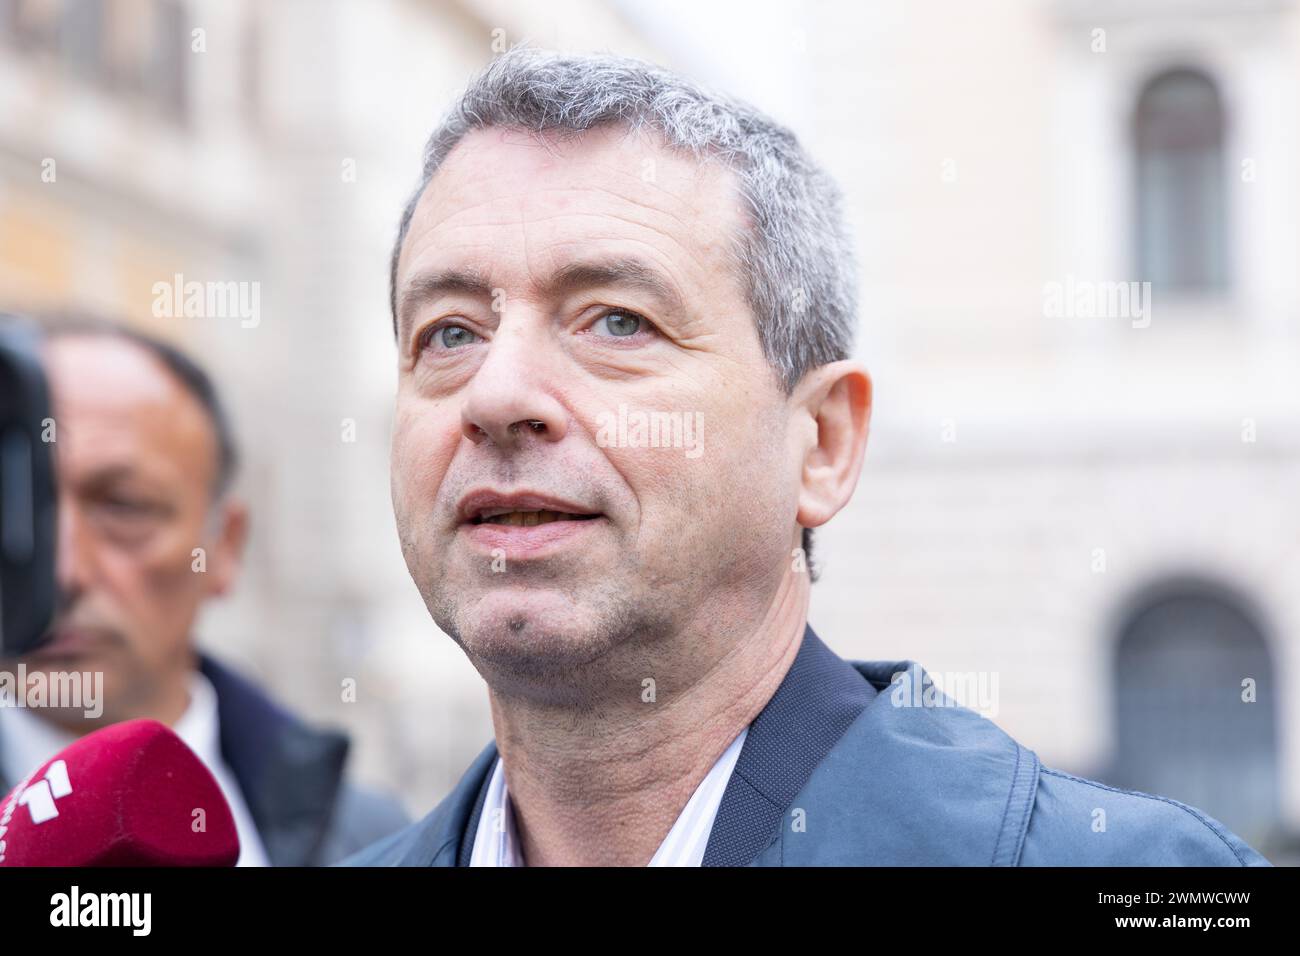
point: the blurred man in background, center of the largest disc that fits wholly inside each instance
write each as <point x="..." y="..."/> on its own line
<point x="149" y="531"/>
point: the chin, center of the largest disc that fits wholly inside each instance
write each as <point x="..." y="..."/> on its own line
<point x="74" y="720"/>
<point x="536" y="638"/>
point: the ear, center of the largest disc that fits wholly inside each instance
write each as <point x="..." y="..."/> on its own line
<point x="837" y="400"/>
<point x="228" y="549"/>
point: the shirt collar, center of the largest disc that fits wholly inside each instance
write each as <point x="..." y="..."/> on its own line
<point x="199" y="726"/>
<point x="496" y="841"/>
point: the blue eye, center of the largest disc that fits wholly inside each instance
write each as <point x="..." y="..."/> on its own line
<point x="620" y="323"/>
<point x="449" y="336"/>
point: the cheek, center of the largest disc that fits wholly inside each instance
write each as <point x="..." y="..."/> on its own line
<point x="159" y="584"/>
<point x="675" y="495"/>
<point x="661" y="487"/>
<point x="744" y="465"/>
<point x="423" y="443"/>
<point x="725" y="463"/>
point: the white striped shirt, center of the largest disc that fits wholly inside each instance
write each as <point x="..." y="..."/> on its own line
<point x="683" y="846"/>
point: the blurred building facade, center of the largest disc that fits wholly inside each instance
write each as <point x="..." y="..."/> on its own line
<point x="1072" y="484"/>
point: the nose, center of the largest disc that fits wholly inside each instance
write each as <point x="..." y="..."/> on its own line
<point x="509" y="401"/>
<point x="73" y="557"/>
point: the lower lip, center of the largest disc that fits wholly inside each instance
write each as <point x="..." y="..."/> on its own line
<point x="525" y="541"/>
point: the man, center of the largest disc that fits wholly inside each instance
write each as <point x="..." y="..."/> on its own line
<point x="600" y="255"/>
<point x="148" y="531"/>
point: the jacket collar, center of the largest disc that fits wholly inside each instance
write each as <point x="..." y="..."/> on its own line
<point x="438" y="840"/>
<point x="816" y="701"/>
<point x="465" y="850"/>
<point x="290" y="774"/>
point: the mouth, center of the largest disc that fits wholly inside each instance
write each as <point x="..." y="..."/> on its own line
<point x="528" y="519"/>
<point x="525" y="524"/>
<point x="519" y="509"/>
<point x="70" y="642"/>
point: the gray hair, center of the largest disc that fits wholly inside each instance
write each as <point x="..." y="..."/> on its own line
<point x="795" y="260"/>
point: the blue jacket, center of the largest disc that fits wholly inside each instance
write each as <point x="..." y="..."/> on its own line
<point x="838" y="770"/>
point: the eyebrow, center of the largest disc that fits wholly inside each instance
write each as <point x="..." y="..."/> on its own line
<point x="109" y="477"/>
<point x="615" y="272"/>
<point x="429" y="286"/>
<point x="626" y="272"/>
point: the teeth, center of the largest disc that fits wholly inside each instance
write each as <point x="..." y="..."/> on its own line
<point x="527" y="519"/>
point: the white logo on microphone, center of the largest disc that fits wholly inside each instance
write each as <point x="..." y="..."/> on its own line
<point x="39" y="797"/>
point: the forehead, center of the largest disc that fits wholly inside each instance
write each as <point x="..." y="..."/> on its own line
<point x="507" y="196"/>
<point x="117" y="405"/>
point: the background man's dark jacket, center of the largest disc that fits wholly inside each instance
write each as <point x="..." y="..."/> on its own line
<point x="291" y="777"/>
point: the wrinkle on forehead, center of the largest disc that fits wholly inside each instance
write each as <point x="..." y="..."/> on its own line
<point x="501" y="177"/>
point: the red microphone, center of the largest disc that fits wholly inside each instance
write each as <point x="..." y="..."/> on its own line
<point x="132" y="794"/>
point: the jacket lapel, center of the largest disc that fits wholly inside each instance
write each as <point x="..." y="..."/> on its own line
<point x="819" y="698"/>
<point x="446" y="836"/>
<point x="466" y="849"/>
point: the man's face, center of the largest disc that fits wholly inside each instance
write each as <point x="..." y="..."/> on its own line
<point x="135" y="459"/>
<point x="550" y="297"/>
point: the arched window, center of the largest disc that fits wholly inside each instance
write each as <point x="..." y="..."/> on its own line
<point x="1181" y="217"/>
<point x="1184" y="729"/>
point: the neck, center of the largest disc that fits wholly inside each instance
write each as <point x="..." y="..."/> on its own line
<point x="170" y="707"/>
<point x="602" y="786"/>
